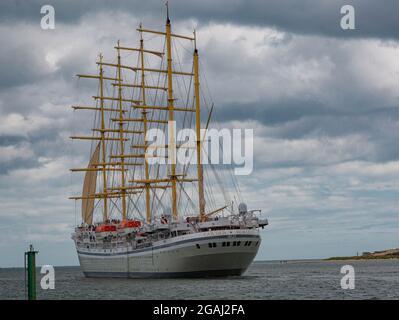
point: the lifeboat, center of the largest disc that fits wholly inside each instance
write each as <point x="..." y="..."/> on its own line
<point x="128" y="226"/>
<point x="105" y="230"/>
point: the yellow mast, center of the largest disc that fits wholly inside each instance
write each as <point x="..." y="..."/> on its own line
<point x="121" y="139"/>
<point x="201" y="196"/>
<point x="103" y="154"/>
<point x="171" y="133"/>
<point x="144" y="113"/>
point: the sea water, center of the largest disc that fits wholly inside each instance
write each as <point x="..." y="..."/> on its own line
<point x="310" y="279"/>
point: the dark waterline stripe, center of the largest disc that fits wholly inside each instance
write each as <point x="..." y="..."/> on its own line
<point x="186" y="274"/>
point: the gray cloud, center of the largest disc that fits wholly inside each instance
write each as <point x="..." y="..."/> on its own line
<point x="373" y="18"/>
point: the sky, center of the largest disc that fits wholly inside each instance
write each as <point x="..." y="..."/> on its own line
<point x="323" y="103"/>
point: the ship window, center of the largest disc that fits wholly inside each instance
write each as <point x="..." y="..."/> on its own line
<point x="238" y="243"/>
<point x="228" y="244"/>
<point x="210" y="245"/>
<point x="223" y="244"/>
<point x="198" y="246"/>
<point x="249" y="243"/>
<point x="246" y="243"/>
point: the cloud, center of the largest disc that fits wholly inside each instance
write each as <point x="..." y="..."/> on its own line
<point x="11" y="153"/>
<point x="16" y="124"/>
<point x="373" y="19"/>
<point x="368" y="169"/>
<point x="320" y="151"/>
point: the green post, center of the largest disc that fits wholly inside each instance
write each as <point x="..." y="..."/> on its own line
<point x="30" y="269"/>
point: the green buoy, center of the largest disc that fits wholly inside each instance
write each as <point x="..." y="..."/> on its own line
<point x="30" y="271"/>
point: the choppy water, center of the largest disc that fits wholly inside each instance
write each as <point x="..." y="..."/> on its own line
<point x="377" y="279"/>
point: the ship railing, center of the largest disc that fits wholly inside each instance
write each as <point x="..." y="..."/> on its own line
<point x="258" y="214"/>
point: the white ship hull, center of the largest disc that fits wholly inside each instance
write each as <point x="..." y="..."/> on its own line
<point x="210" y="253"/>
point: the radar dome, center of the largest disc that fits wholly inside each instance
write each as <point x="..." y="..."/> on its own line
<point x="242" y="208"/>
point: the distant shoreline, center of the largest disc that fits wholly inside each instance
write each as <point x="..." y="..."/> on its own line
<point x="376" y="255"/>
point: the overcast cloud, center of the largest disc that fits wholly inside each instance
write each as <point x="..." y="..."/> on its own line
<point x="323" y="103"/>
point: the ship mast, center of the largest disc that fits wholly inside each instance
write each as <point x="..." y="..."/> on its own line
<point x="171" y="132"/>
<point x="103" y="151"/>
<point x="121" y="141"/>
<point x="144" y="117"/>
<point x="201" y="197"/>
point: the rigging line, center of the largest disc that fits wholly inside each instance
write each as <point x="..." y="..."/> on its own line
<point x="217" y="178"/>
<point x="76" y="222"/>
<point x="152" y="117"/>
<point x="160" y="203"/>
<point x="182" y="79"/>
<point x="136" y="205"/>
<point x="208" y="192"/>
<point x="228" y="172"/>
<point x="190" y="51"/>
<point x="132" y="172"/>
<point x="185" y="210"/>
<point x="155" y="99"/>
<point x="204" y="77"/>
<point x="186" y="167"/>
<point x="114" y="206"/>
<point x="210" y="187"/>
<point x="188" y="197"/>
<point x="148" y="37"/>
<point x="156" y="203"/>
<point x="179" y="68"/>
<point x="192" y="154"/>
<point x="234" y="179"/>
<point x="141" y="125"/>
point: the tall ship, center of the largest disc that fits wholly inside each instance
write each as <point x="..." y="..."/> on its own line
<point x="145" y="213"/>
